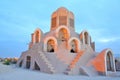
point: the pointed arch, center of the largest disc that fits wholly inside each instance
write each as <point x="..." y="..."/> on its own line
<point x="85" y="37"/>
<point x="37" y="35"/>
<point x="100" y="62"/>
<point x="74" y="45"/>
<point x="109" y="61"/>
<point x="62" y="33"/>
<point x="50" y="44"/>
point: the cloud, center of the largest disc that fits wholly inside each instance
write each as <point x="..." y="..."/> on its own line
<point x="107" y="40"/>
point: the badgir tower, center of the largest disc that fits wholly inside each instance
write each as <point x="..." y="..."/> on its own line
<point x="62" y="50"/>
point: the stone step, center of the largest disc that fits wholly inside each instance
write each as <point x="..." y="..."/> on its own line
<point x="49" y="65"/>
<point x="51" y="68"/>
<point x="47" y="62"/>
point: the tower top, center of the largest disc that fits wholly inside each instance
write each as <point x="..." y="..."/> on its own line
<point x="62" y="16"/>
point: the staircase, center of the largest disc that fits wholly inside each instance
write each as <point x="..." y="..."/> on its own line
<point x="49" y="65"/>
<point x="73" y="63"/>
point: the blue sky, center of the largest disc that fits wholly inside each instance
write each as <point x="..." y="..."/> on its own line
<point x="19" y="18"/>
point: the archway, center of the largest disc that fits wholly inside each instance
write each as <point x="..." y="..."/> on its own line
<point x="63" y="34"/>
<point x="37" y="36"/>
<point x="50" y="45"/>
<point x="109" y="61"/>
<point x="86" y="38"/>
<point x="48" y="41"/>
<point x="28" y="61"/>
<point x="73" y="45"/>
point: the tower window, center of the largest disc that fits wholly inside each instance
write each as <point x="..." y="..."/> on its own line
<point x="54" y="22"/>
<point x="62" y="20"/>
<point x="86" y="37"/>
<point x="37" y="36"/>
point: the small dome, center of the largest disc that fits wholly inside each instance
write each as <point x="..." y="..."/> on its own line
<point x="62" y="8"/>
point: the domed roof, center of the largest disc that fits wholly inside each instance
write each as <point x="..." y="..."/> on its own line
<point x="62" y="8"/>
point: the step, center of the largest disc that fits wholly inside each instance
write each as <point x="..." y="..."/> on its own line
<point x="46" y="61"/>
<point x="51" y="68"/>
<point x="43" y="56"/>
<point x="49" y="65"/>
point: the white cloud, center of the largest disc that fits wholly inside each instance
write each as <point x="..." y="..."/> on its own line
<point x="107" y="40"/>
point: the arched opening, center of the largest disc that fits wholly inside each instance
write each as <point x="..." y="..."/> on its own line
<point x="63" y="34"/>
<point x="86" y="38"/>
<point x="117" y="65"/>
<point x="28" y="62"/>
<point x="37" y="36"/>
<point x="20" y="64"/>
<point x="73" y="45"/>
<point x="109" y="61"/>
<point x="50" y="45"/>
<point x="36" y="66"/>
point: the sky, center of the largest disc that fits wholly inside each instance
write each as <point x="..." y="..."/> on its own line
<point x="19" y="18"/>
